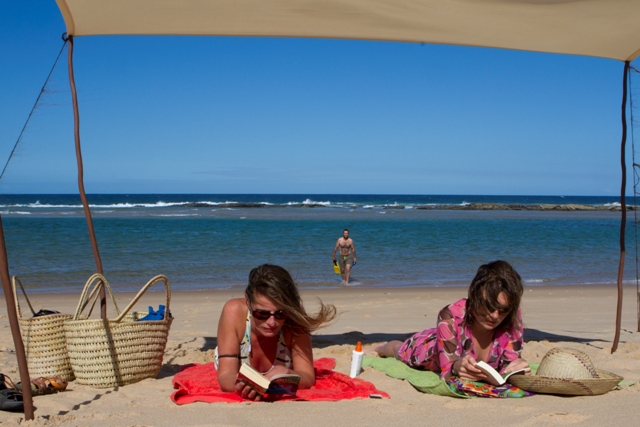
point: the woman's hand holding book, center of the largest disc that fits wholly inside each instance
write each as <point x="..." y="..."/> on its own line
<point x="466" y="369"/>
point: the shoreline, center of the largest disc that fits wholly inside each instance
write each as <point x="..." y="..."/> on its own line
<point x="629" y="285"/>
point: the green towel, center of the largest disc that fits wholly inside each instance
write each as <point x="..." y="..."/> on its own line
<point x="424" y="381"/>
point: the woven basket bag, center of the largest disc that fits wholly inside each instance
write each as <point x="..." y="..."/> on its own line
<point x="44" y="340"/>
<point x="115" y="352"/>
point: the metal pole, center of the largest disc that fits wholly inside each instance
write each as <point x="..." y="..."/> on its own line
<point x="623" y="205"/>
<point x="83" y="196"/>
<point x="15" y="328"/>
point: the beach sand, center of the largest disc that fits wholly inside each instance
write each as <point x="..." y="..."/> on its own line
<point x="581" y="317"/>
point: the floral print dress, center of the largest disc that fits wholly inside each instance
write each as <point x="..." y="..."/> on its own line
<point x="436" y="349"/>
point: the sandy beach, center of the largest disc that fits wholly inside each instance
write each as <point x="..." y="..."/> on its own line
<point x="581" y="317"/>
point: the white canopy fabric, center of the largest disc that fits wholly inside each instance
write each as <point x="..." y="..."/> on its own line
<point x="600" y="28"/>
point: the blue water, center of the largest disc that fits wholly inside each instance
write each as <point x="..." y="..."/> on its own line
<point x="208" y="241"/>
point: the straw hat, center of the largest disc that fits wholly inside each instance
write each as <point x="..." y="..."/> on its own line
<point x="569" y="372"/>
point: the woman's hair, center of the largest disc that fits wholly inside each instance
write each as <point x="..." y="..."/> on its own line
<point x="490" y="280"/>
<point x="275" y="283"/>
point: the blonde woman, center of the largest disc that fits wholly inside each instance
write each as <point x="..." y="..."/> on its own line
<point x="268" y="329"/>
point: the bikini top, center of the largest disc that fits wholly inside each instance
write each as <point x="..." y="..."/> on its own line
<point x="283" y="353"/>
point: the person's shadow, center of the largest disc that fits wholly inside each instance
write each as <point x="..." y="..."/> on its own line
<point x="538" y="335"/>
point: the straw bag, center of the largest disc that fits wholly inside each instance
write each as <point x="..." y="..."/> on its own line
<point x="116" y="352"/>
<point x="44" y="340"/>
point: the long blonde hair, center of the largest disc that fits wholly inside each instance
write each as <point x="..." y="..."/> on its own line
<point x="275" y="283"/>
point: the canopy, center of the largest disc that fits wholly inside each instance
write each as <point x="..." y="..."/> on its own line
<point x="601" y="28"/>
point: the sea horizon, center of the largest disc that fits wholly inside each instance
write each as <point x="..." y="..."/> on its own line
<point x="248" y="200"/>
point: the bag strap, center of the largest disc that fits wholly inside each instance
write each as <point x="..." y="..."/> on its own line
<point x="151" y="282"/>
<point x="84" y="299"/>
<point x="95" y="296"/>
<point x="15" y="280"/>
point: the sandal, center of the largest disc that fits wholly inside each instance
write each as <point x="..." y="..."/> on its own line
<point x="11" y="400"/>
<point x="41" y="386"/>
<point x="58" y="383"/>
<point x="6" y="383"/>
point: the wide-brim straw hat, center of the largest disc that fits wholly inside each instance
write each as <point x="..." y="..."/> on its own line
<point x="569" y="372"/>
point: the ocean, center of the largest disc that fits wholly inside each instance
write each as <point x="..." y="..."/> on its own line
<point x="202" y="241"/>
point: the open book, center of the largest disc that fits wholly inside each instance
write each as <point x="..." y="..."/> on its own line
<point x="494" y="377"/>
<point x="279" y="384"/>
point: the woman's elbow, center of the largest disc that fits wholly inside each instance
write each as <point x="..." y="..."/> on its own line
<point x="225" y="387"/>
<point x="227" y="384"/>
<point x="307" y="381"/>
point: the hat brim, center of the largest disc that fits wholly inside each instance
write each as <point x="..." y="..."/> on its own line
<point x="567" y="386"/>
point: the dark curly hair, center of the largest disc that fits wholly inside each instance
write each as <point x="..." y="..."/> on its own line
<point x="275" y="283"/>
<point x="491" y="279"/>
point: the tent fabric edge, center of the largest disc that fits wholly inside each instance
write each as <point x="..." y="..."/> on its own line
<point x="436" y="43"/>
<point x="67" y="16"/>
<point x="633" y="56"/>
<point x="593" y="28"/>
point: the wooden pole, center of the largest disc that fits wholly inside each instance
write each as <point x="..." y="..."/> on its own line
<point x="623" y="205"/>
<point x="15" y="328"/>
<point x="83" y="196"/>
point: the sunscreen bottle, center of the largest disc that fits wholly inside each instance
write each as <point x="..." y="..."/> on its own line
<point x="356" y="361"/>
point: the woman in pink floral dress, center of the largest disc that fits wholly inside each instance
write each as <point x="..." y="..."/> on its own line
<point x="485" y="326"/>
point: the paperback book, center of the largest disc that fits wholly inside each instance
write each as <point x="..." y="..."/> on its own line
<point x="279" y="384"/>
<point x="494" y="377"/>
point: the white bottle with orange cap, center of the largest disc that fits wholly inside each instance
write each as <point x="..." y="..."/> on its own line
<point x="356" y="361"/>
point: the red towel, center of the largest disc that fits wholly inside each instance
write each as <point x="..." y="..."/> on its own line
<point x="199" y="383"/>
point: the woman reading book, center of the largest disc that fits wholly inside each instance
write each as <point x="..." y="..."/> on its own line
<point x="485" y="326"/>
<point x="268" y="329"/>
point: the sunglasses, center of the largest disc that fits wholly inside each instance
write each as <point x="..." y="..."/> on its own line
<point x="266" y="314"/>
<point x="501" y="312"/>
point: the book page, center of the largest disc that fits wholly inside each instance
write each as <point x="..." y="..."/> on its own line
<point x="493" y="376"/>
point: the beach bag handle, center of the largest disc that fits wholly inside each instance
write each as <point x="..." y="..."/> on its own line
<point x="151" y="282"/>
<point x="84" y="299"/>
<point x="15" y="280"/>
<point x="101" y="280"/>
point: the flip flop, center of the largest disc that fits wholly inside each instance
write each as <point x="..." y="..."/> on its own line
<point x="11" y="400"/>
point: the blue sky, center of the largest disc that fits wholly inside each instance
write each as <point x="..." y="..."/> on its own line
<point x="256" y="115"/>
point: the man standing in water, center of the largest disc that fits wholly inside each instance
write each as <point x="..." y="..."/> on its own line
<point x="347" y="256"/>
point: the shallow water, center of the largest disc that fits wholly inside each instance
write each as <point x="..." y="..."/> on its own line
<point x="215" y="246"/>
